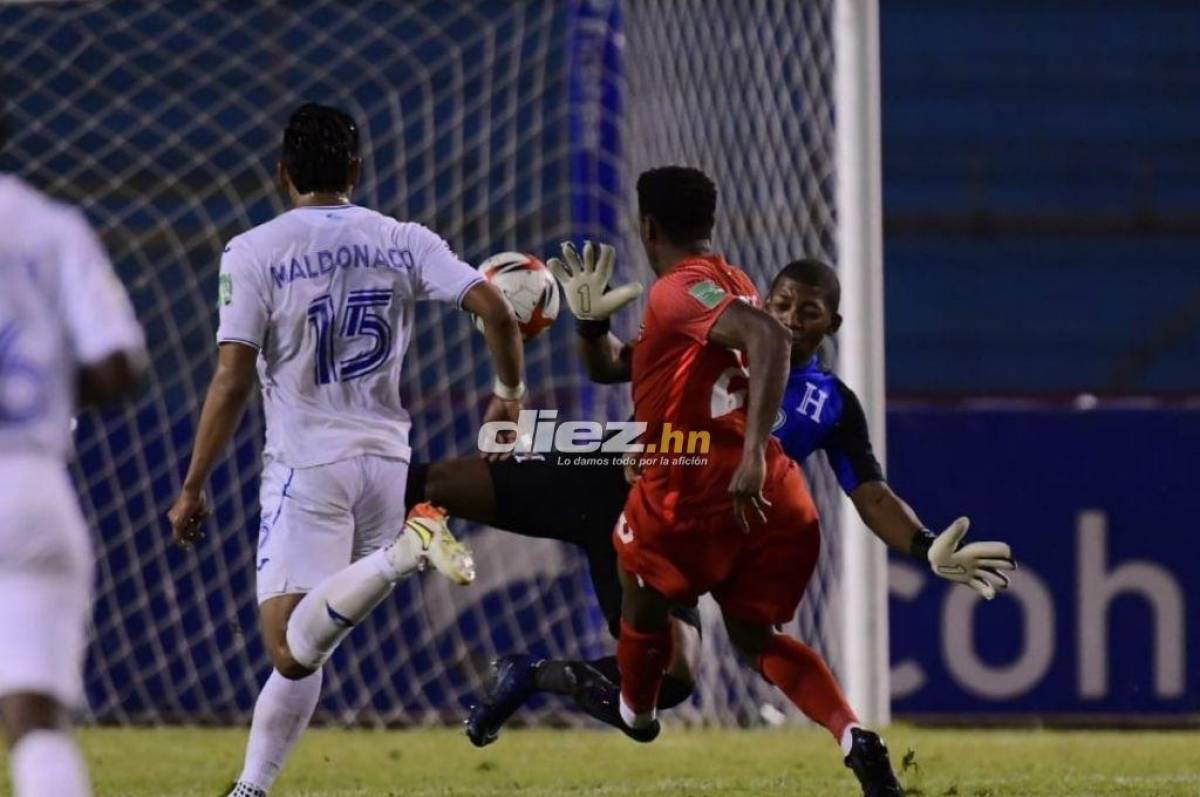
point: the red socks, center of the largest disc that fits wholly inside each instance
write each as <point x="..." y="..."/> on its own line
<point x="642" y="657"/>
<point x="803" y="676"/>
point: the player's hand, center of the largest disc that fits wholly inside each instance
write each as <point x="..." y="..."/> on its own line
<point x="500" y="409"/>
<point x="187" y="516"/>
<point x="746" y="487"/>
<point x="585" y="281"/>
<point x="983" y="566"/>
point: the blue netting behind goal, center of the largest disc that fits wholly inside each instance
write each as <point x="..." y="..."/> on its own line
<point x="501" y="125"/>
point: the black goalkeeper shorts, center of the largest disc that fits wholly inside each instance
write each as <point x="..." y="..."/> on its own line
<point x="551" y="498"/>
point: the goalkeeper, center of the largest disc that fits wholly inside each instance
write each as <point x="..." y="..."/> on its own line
<point x="580" y="504"/>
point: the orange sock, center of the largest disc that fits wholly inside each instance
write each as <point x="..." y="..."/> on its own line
<point x="643" y="657"/>
<point x="801" y="674"/>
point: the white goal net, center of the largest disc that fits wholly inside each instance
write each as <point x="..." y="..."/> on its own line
<point x="502" y="126"/>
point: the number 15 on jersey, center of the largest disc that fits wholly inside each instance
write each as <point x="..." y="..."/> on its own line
<point x="363" y="316"/>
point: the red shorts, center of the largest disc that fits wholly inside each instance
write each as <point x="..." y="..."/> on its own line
<point x="759" y="577"/>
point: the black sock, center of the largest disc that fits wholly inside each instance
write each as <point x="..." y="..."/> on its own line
<point x="414" y="490"/>
<point x="595" y="688"/>
<point x="607" y="667"/>
<point x="672" y="692"/>
<point x="591" y="691"/>
<point x="557" y="677"/>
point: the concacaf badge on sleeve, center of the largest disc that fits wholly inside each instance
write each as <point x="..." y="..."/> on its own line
<point x="224" y="290"/>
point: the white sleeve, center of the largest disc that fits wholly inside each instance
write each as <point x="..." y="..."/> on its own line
<point x="94" y="305"/>
<point x="241" y="298"/>
<point x="440" y="275"/>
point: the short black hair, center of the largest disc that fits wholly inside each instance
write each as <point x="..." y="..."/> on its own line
<point x="815" y="273"/>
<point x="319" y="145"/>
<point x="681" y="200"/>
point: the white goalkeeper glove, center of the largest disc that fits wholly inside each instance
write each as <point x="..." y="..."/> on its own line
<point x="585" y="281"/>
<point x="983" y="566"/>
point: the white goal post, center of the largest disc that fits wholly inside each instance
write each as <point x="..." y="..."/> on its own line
<point x="864" y="619"/>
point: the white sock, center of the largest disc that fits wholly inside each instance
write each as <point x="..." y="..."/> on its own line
<point x="847" y="741"/>
<point x="281" y="714"/>
<point x="323" y="618"/>
<point x="46" y="763"/>
<point x="632" y="718"/>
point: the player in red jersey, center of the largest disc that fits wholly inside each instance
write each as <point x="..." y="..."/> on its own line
<point x="741" y="525"/>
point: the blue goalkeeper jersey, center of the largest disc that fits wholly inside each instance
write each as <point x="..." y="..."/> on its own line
<point x="820" y="412"/>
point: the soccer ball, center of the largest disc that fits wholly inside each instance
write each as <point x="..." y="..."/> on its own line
<point x="529" y="287"/>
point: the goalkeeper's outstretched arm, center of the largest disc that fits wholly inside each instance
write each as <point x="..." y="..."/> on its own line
<point x="223" y="407"/>
<point x="983" y="566"/>
<point x="584" y="279"/>
<point x="608" y="360"/>
<point x="889" y="518"/>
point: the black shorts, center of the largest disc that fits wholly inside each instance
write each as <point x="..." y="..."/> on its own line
<point x="552" y="498"/>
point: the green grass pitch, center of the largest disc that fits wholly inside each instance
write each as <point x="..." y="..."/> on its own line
<point x="183" y="762"/>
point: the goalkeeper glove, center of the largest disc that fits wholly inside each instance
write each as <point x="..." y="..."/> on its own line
<point x="585" y="281"/>
<point x="983" y="566"/>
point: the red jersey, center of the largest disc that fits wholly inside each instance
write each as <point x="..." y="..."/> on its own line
<point x="682" y="380"/>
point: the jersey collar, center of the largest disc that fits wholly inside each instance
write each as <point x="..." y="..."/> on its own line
<point x="813" y="364"/>
<point x="712" y="259"/>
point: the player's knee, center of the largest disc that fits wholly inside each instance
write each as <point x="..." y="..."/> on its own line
<point x="288" y="667"/>
<point x="275" y="613"/>
<point x="283" y="661"/>
<point x="294" y="671"/>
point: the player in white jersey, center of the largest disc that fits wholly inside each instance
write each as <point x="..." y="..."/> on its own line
<point x="68" y="338"/>
<point x="321" y="299"/>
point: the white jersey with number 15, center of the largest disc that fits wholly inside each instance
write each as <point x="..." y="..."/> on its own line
<point x="327" y="294"/>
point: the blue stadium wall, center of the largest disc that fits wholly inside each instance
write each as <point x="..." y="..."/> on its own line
<point x="1041" y="196"/>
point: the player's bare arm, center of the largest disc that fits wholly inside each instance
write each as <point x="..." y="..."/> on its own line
<point x="116" y="377"/>
<point x="584" y="279"/>
<point x="767" y="346"/>
<point x="886" y="515"/>
<point x="984" y="566"/>
<point x="504" y="342"/>
<point x="224" y="404"/>
<point x="609" y="361"/>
